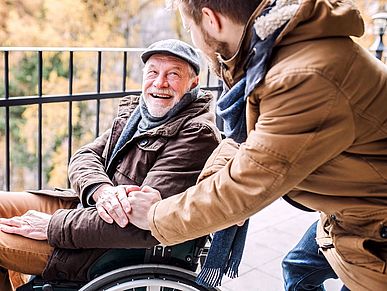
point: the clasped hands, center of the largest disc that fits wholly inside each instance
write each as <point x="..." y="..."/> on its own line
<point x="125" y="203"/>
<point x="120" y="204"/>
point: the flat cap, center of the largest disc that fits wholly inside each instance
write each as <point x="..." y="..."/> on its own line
<point x="175" y="48"/>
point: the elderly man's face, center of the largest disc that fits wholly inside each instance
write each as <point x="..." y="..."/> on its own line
<point x="165" y="80"/>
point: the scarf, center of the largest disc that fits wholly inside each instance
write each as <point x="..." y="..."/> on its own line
<point x="226" y="250"/>
<point x="141" y="120"/>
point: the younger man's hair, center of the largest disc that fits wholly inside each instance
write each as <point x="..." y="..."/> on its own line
<point x="239" y="11"/>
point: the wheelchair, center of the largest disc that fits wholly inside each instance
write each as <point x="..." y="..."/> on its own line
<point x="159" y="268"/>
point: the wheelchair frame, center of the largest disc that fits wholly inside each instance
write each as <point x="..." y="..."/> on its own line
<point x="162" y="268"/>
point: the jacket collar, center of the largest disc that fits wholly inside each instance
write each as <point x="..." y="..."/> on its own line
<point x="313" y="19"/>
<point x="202" y="104"/>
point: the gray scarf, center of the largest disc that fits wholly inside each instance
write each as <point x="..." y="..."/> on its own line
<point x="142" y="120"/>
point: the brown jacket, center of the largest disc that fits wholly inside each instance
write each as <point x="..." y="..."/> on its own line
<point x="317" y="129"/>
<point x="168" y="158"/>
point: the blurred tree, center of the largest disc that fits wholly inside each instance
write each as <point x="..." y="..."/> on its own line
<point x="85" y="23"/>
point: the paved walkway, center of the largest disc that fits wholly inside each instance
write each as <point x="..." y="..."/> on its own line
<point x="272" y="233"/>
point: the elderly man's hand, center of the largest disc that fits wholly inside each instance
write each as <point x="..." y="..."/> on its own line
<point x="33" y="224"/>
<point x="141" y="202"/>
<point x="112" y="203"/>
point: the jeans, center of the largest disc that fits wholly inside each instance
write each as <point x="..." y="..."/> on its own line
<point x="305" y="267"/>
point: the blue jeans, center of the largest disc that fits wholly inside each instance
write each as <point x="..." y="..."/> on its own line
<point x="305" y="267"/>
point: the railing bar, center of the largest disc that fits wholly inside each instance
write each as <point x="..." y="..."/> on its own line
<point x="7" y="129"/>
<point x="66" y="49"/>
<point x="30" y="100"/>
<point x="70" y="112"/>
<point x="40" y="117"/>
<point x="219" y="87"/>
<point x="208" y="77"/>
<point x="99" y="66"/>
<point x="71" y="71"/>
<point x="124" y="71"/>
<point x="219" y="121"/>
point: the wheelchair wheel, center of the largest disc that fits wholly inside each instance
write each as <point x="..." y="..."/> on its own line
<point x="146" y="277"/>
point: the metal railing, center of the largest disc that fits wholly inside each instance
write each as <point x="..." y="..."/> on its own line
<point x="69" y="97"/>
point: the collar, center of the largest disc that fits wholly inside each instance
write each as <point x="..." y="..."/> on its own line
<point x="268" y="17"/>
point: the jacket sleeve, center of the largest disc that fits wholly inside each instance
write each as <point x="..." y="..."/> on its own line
<point x="176" y="169"/>
<point x="87" y="167"/>
<point x="299" y="129"/>
<point x="83" y="228"/>
<point x="219" y="158"/>
<point x="182" y="159"/>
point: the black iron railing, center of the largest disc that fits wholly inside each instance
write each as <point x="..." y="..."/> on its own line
<point x="7" y="101"/>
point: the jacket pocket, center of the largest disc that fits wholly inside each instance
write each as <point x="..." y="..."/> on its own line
<point x="357" y="236"/>
<point x="61" y="193"/>
<point x="135" y="165"/>
<point x="363" y="252"/>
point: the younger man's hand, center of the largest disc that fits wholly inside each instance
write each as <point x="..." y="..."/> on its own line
<point x="141" y="202"/>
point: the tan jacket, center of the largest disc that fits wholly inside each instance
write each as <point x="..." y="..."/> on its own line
<point x="317" y="129"/>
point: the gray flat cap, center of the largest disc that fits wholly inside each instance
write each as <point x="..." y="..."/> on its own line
<point x="175" y="48"/>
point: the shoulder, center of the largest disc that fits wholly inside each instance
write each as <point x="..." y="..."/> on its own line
<point x="127" y="105"/>
<point x="205" y="118"/>
<point x="328" y="58"/>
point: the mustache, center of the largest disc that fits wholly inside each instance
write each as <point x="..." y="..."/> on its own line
<point x="161" y="91"/>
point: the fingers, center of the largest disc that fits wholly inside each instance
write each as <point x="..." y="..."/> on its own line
<point x="14" y="225"/>
<point x="102" y="212"/>
<point x="130" y="188"/>
<point x="14" y="221"/>
<point x="111" y="211"/>
<point x="10" y="229"/>
<point x="113" y="205"/>
<point x="123" y="199"/>
<point x="33" y="224"/>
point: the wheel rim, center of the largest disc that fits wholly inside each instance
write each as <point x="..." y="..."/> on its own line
<point x="151" y="285"/>
<point x="146" y="277"/>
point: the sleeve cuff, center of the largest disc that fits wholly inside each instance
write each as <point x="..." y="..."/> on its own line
<point x="88" y="194"/>
<point x="152" y="225"/>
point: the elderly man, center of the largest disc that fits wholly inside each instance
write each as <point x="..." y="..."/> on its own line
<point x="308" y="107"/>
<point x="163" y="143"/>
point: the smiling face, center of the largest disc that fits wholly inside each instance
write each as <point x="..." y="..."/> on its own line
<point x="165" y="81"/>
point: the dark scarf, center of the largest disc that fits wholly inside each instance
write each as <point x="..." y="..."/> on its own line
<point x="142" y="120"/>
<point x="227" y="246"/>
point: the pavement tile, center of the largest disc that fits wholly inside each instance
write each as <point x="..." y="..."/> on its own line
<point x="254" y="280"/>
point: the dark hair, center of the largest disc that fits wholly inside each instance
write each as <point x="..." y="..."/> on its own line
<point x="238" y="11"/>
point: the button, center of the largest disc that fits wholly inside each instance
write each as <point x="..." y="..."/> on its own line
<point x="61" y="275"/>
<point x="383" y="232"/>
<point x="143" y="142"/>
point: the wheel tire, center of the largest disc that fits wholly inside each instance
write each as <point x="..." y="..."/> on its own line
<point x="129" y="278"/>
